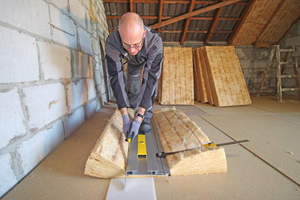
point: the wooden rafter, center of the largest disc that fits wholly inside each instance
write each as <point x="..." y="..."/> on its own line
<point x="169" y="2"/>
<point x="196" y="12"/>
<point x="213" y="25"/>
<point x="180" y="31"/>
<point x="161" y="6"/>
<point x="192" y="18"/>
<point x="241" y="21"/>
<point x="187" y="22"/>
<point x="131" y="6"/>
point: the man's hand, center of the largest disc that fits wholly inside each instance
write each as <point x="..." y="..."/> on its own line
<point x="126" y="124"/>
<point x="134" y="130"/>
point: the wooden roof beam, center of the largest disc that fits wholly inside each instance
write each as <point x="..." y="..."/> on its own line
<point x="213" y="25"/>
<point x="131" y="6"/>
<point x="161" y="7"/>
<point x="187" y="22"/>
<point x="169" y="2"/>
<point x="192" y="18"/>
<point x="191" y="14"/>
<point x="241" y="21"/>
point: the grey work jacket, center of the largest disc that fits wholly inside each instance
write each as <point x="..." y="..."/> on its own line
<point x="151" y="53"/>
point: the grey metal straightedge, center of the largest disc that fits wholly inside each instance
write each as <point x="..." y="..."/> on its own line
<point x="151" y="165"/>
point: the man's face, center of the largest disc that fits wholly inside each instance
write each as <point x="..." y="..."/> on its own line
<point x="135" y="46"/>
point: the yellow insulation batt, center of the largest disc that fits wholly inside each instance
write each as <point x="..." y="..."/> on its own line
<point x="176" y="132"/>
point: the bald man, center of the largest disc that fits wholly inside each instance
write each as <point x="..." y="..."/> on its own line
<point x="142" y="48"/>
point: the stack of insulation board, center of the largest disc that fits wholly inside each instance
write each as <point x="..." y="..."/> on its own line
<point x="218" y="77"/>
<point x="176" y="85"/>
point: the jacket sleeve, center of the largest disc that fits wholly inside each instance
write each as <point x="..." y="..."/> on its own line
<point x="152" y="72"/>
<point x="116" y="73"/>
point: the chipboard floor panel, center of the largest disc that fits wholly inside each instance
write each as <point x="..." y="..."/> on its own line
<point x="264" y="168"/>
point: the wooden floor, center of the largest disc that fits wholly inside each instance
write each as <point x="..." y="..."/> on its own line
<point x="266" y="168"/>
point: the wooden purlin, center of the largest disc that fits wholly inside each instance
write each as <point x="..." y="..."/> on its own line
<point x="196" y="12"/>
<point x="226" y="79"/>
<point x="177" y="77"/>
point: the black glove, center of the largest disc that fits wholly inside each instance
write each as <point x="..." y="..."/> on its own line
<point x="134" y="129"/>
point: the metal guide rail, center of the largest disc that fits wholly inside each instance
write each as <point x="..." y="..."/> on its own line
<point x="147" y="164"/>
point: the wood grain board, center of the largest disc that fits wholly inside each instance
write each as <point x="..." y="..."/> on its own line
<point x="226" y="78"/>
<point x="200" y="89"/>
<point x="177" y="132"/>
<point x="177" y="84"/>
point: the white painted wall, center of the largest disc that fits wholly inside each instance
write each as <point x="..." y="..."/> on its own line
<point x="51" y="78"/>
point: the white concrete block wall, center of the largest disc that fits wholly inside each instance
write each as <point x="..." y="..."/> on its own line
<point x="73" y="121"/>
<point x="7" y="176"/>
<point x="48" y="99"/>
<point x="19" y="58"/>
<point x="50" y="51"/>
<point x="11" y="117"/>
<point x="55" y="61"/>
<point x="63" y="22"/>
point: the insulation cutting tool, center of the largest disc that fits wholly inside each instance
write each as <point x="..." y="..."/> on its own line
<point x="211" y="144"/>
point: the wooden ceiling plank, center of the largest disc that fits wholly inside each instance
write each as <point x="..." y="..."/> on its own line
<point x="196" y="12"/>
<point x="161" y="7"/>
<point x="271" y="18"/>
<point x="241" y="21"/>
<point x="187" y="22"/>
<point x="213" y="25"/>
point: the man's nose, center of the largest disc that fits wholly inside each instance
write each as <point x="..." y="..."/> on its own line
<point x="132" y="50"/>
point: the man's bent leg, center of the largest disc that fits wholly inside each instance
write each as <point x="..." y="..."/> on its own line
<point x="134" y="83"/>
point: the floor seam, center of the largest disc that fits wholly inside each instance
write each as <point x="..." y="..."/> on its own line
<point x="253" y="153"/>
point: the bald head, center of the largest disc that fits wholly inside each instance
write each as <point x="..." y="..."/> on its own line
<point x="131" y="28"/>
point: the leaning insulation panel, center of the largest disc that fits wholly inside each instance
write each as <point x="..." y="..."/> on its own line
<point x="177" y="84"/>
<point x="177" y="132"/>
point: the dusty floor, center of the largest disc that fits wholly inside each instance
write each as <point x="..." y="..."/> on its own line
<point x="266" y="168"/>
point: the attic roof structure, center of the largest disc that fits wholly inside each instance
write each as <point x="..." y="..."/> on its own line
<point x="233" y="22"/>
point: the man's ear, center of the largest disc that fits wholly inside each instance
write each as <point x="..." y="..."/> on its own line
<point x="145" y="32"/>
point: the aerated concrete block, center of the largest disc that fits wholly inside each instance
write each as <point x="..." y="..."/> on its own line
<point x="12" y="121"/>
<point x="90" y="108"/>
<point x="62" y="4"/>
<point x="85" y="41"/>
<point x="53" y="137"/>
<point x="30" y="153"/>
<point x="18" y="57"/>
<point x="73" y="121"/>
<point x="91" y="88"/>
<point x="77" y="93"/>
<point x="77" y="11"/>
<point x="44" y="104"/>
<point x="28" y="15"/>
<point x="80" y="65"/>
<point x="55" y="61"/>
<point x="7" y="176"/>
<point x="62" y="21"/>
